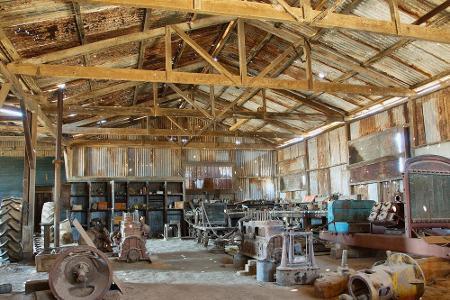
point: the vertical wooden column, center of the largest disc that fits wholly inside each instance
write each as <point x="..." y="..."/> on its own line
<point x="29" y="180"/>
<point x="58" y="163"/>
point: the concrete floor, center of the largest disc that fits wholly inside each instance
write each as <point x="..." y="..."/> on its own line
<point x="182" y="269"/>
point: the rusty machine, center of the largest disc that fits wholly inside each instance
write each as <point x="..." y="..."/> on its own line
<point x="297" y="268"/>
<point x="261" y="237"/>
<point x="131" y="243"/>
<point x="417" y="222"/>
<point x="399" y="277"/>
<point x="81" y="272"/>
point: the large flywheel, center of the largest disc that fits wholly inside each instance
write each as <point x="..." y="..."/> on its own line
<point x="81" y="272"/>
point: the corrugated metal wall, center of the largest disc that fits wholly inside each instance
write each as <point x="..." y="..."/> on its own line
<point x="252" y="172"/>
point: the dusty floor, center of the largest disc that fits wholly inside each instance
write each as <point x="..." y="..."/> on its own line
<point x="181" y="269"/>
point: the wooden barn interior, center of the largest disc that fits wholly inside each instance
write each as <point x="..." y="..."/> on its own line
<point x="224" y="149"/>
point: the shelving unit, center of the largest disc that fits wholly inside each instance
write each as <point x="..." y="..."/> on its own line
<point x="158" y="201"/>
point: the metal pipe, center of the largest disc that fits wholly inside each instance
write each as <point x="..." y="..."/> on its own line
<point x="284" y="254"/>
<point x="58" y="162"/>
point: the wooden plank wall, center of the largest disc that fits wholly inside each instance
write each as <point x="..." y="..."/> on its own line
<point x="328" y="159"/>
<point x="428" y="119"/>
<point x="431" y="119"/>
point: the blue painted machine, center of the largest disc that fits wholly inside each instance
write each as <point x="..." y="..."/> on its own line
<point x="349" y="216"/>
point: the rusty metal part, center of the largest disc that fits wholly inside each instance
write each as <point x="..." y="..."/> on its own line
<point x="301" y="269"/>
<point x="132" y="244"/>
<point x="399" y="277"/>
<point x="383" y="241"/>
<point x="81" y="272"/>
<point x="99" y="235"/>
<point x="262" y="240"/>
<point x="333" y="284"/>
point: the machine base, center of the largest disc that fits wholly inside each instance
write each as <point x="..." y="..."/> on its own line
<point x="296" y="275"/>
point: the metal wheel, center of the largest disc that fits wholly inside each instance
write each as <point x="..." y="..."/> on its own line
<point x="11" y="229"/>
<point x="81" y="272"/>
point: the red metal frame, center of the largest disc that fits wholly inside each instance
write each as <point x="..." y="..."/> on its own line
<point x="427" y="164"/>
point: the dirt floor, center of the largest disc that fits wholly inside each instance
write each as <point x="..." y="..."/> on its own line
<point x="182" y="269"/>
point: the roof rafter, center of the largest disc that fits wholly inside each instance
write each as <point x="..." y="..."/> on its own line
<point x="263" y="11"/>
<point x="62" y="71"/>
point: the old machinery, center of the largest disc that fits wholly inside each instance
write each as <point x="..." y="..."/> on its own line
<point x="426" y="211"/>
<point x="399" y="277"/>
<point x="349" y="216"/>
<point x="132" y="244"/>
<point x="261" y="238"/>
<point x="301" y="268"/>
<point x="333" y="284"/>
<point x="81" y="272"/>
<point x="389" y="216"/>
<point x="99" y="235"/>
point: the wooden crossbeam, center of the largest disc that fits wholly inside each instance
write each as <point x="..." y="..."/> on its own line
<point x="4" y="91"/>
<point x="323" y="14"/>
<point x="110" y="111"/>
<point x="264" y="11"/>
<point x="78" y="72"/>
<point x="190" y="101"/>
<point x="170" y="145"/>
<point x="170" y="132"/>
<point x="29" y="102"/>
<point x="204" y="54"/>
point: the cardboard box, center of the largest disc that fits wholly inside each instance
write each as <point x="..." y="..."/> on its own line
<point x="179" y="205"/>
<point x="102" y="205"/>
<point x="120" y="206"/>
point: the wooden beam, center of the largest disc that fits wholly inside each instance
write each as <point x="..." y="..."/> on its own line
<point x="212" y="99"/>
<point x="242" y="49"/>
<point x="30" y="103"/>
<point x="170" y="145"/>
<point x="395" y="15"/>
<point x="168" y="49"/>
<point x="124" y="39"/>
<point x="4" y="91"/>
<point x="170" y="132"/>
<point x="323" y="14"/>
<point x="264" y="11"/>
<point x="114" y="111"/>
<point x="204" y="54"/>
<point x="199" y="79"/>
<point x="155" y="98"/>
<point x="142" y="48"/>
<point x="309" y="72"/>
<point x="190" y="101"/>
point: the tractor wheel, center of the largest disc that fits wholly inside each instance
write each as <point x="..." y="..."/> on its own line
<point x="11" y="229"/>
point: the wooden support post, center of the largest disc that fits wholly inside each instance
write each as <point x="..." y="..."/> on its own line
<point x="29" y="185"/>
<point x="168" y="43"/>
<point x="264" y="102"/>
<point x="58" y="163"/>
<point x="309" y="72"/>
<point x="155" y="98"/>
<point x="212" y="97"/>
<point x="242" y="50"/>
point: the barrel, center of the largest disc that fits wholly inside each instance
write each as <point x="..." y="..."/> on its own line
<point x="265" y="271"/>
